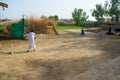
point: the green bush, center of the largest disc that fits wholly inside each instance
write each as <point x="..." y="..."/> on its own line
<point x="90" y="24"/>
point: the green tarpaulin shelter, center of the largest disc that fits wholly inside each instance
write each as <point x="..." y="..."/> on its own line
<point x="17" y="29"/>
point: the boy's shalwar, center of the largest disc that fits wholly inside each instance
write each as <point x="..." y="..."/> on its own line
<point x="31" y="37"/>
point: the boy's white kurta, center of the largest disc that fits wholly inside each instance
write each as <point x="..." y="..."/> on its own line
<point x="31" y="37"/>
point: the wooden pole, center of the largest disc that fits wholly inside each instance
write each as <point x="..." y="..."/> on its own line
<point x="11" y="48"/>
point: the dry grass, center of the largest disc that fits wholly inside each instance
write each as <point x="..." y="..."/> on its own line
<point x="40" y="25"/>
<point x="57" y="57"/>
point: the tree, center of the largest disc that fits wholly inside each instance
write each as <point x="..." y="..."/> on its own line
<point x="115" y="10"/>
<point x="55" y="17"/>
<point x="84" y="17"/>
<point x="98" y="13"/>
<point x="79" y="16"/>
<point x="43" y="17"/>
<point x="51" y="17"/>
<point x="110" y="9"/>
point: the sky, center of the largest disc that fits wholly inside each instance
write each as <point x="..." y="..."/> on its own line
<point x="62" y="8"/>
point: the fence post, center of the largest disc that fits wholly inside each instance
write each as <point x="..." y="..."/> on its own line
<point x="12" y="48"/>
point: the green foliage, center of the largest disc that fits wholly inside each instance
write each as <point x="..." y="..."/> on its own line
<point x="84" y="17"/>
<point x="115" y="10"/>
<point x="106" y="8"/>
<point x="51" y="17"/>
<point x="90" y="24"/>
<point x="42" y="17"/>
<point x="98" y="12"/>
<point x="111" y="8"/>
<point x="79" y="16"/>
<point x="54" y="17"/>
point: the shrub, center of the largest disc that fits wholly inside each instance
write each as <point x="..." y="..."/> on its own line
<point x="89" y="24"/>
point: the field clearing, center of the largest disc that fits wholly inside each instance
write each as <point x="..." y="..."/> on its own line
<point x="67" y="27"/>
<point x="65" y="57"/>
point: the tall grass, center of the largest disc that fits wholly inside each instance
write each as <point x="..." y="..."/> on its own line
<point x="40" y="25"/>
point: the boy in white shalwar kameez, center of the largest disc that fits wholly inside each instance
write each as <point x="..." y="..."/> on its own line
<point x="31" y="37"/>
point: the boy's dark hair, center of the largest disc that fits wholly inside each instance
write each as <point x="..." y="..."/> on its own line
<point x="31" y="30"/>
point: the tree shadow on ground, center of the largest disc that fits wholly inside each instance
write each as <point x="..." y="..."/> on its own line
<point x="58" y="69"/>
<point x="109" y="46"/>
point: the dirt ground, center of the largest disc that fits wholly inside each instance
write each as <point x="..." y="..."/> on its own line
<point x="67" y="56"/>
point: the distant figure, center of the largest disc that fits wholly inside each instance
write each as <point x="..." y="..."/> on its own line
<point x="82" y="32"/>
<point x="109" y="30"/>
<point x="31" y="37"/>
<point x="100" y="35"/>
